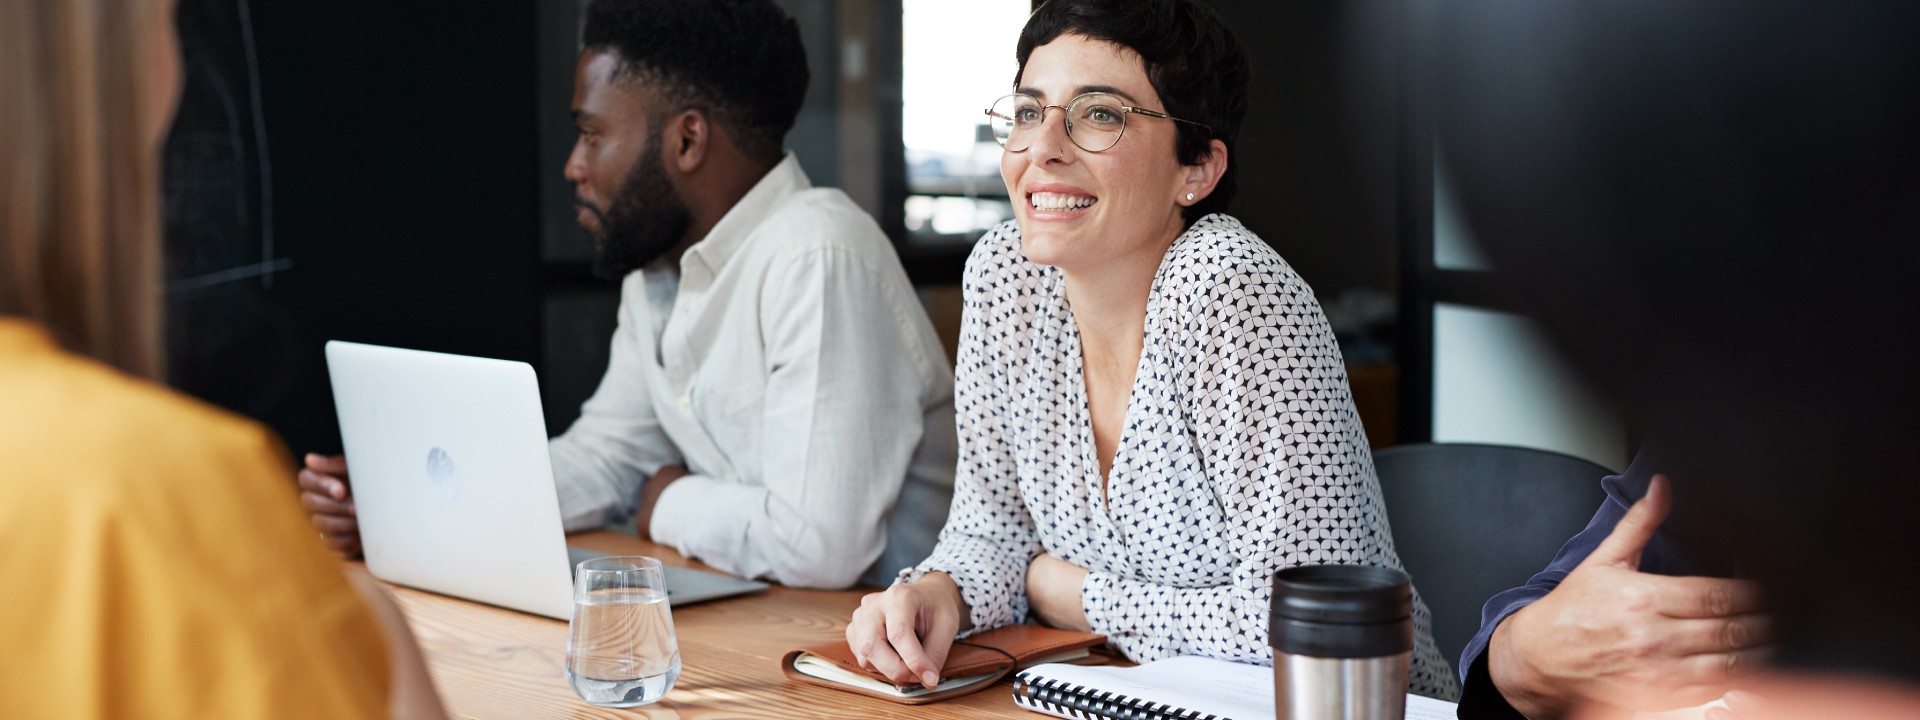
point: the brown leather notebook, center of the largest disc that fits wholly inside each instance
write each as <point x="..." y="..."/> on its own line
<point x="974" y="664"/>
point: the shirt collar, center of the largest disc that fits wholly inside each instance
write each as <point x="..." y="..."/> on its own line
<point x="774" y="189"/>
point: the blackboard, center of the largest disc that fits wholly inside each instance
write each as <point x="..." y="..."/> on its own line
<point x="360" y="170"/>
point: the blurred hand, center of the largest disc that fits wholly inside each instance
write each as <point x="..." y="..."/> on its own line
<point x="905" y="632"/>
<point x="1054" y="592"/>
<point x="650" y="495"/>
<point x="329" y="502"/>
<point x="1735" y="705"/>
<point x="1740" y="705"/>
<point x="1611" y="634"/>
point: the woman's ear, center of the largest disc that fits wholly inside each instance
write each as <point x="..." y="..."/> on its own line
<point x="685" y="140"/>
<point x="1203" y="177"/>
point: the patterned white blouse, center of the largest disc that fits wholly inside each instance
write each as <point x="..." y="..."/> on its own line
<point x="1242" y="453"/>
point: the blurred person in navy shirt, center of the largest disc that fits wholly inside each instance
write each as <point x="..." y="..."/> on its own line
<point x="1712" y="209"/>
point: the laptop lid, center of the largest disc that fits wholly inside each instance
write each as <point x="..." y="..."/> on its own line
<point x="450" y="475"/>
<point x="453" y="485"/>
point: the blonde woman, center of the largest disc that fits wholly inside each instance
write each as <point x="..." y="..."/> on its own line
<point x="154" y="562"/>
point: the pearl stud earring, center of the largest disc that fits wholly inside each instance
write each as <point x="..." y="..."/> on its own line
<point x="1189" y="197"/>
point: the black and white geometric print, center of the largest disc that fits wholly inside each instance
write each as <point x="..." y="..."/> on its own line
<point x="1241" y="453"/>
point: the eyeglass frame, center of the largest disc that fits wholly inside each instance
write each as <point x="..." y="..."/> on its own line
<point x="1066" y="118"/>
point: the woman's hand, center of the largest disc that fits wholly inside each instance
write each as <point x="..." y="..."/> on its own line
<point x="904" y="632"/>
<point x="1053" y="592"/>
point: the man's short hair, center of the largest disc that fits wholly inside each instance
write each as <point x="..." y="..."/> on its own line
<point x="739" y="61"/>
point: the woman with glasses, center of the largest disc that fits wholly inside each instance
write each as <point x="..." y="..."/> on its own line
<point x="1153" y="414"/>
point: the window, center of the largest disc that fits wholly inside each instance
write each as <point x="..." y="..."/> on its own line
<point x="956" y="58"/>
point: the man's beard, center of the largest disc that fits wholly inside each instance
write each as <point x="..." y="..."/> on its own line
<point x="645" y="220"/>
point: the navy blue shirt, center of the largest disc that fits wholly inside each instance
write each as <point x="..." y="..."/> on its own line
<point x="1478" y="697"/>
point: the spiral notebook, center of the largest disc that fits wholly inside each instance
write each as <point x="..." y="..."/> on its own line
<point x="1181" y="688"/>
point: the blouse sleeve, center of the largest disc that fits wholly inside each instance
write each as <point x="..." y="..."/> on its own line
<point x="989" y="538"/>
<point x="1266" y="398"/>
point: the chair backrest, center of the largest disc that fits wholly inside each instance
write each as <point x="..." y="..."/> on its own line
<point x="1472" y="520"/>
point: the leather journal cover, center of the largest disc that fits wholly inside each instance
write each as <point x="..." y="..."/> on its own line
<point x="975" y="663"/>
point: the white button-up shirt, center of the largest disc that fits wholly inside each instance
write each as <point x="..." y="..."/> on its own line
<point x="794" y="373"/>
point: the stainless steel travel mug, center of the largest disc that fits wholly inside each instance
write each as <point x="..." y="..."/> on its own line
<point x="1342" y="638"/>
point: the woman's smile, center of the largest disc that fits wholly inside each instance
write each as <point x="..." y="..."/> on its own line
<point x="1056" y="202"/>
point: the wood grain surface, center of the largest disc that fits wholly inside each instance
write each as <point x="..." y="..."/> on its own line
<point x="493" y="663"/>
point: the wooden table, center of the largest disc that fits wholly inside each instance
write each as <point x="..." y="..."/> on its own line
<point x="494" y="663"/>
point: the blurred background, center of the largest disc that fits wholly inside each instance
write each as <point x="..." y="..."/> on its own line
<point x="390" y="172"/>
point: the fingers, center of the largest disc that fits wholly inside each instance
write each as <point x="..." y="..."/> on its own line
<point x="1719" y="635"/>
<point x="1622" y="547"/>
<point x="867" y="638"/>
<point x="329" y="507"/>
<point x="1719" y="669"/>
<point x="336" y="524"/>
<point x="903" y="635"/>
<point x="348" y="545"/>
<point x="335" y="465"/>
<point x="938" y="641"/>
<point x="1700" y="597"/>
<point x="332" y="486"/>
<point x="342" y="533"/>
<point x="319" y="504"/>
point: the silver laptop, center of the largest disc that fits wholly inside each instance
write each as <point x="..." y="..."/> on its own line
<point x="453" y="485"/>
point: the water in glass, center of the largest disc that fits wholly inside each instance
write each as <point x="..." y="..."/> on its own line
<point x="621" y="651"/>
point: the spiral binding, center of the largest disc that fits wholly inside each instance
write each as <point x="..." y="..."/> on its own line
<point x="1079" y="701"/>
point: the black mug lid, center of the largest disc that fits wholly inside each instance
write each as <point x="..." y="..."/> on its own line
<point x="1342" y="594"/>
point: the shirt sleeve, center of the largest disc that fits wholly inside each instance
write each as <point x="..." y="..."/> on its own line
<point x="599" y="463"/>
<point x="1266" y="397"/>
<point x="1662" y="556"/>
<point x="989" y="538"/>
<point x="842" y="417"/>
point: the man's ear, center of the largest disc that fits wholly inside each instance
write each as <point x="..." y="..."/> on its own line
<point x="686" y="140"/>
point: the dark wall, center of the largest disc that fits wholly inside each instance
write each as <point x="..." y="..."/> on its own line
<point x="404" y="201"/>
<point x="1316" y="156"/>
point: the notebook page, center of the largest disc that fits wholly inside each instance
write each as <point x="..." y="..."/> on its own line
<point x="1420" y="707"/>
<point x="1210" y="687"/>
<point x="815" y="666"/>
<point x="1230" y="690"/>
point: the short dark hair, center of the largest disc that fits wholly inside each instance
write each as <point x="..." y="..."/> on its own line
<point x="740" y="61"/>
<point x="1192" y="58"/>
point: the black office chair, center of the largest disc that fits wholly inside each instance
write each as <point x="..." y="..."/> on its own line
<point x="1473" y="520"/>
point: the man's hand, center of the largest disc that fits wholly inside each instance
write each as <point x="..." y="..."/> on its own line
<point x="905" y="632"/>
<point x="1613" y="635"/>
<point x="329" y="502"/>
<point x="650" y="495"/>
<point x="1053" y="592"/>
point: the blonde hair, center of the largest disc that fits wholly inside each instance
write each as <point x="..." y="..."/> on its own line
<point x="79" y="184"/>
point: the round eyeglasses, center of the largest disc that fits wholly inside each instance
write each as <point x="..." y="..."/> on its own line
<point x="1095" y="121"/>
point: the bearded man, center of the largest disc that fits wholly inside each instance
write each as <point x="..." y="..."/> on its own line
<point x="777" y="404"/>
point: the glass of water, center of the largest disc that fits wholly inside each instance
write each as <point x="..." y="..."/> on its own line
<point x="621" y="650"/>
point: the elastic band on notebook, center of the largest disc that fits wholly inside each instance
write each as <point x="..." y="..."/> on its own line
<point x="1016" y="661"/>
